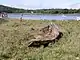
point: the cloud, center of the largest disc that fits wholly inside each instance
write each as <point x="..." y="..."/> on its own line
<point x="26" y="6"/>
<point x="36" y="4"/>
<point x="75" y="6"/>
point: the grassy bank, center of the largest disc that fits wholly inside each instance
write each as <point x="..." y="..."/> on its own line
<point x="15" y="34"/>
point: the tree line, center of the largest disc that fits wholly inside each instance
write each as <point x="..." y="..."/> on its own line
<point x="42" y="11"/>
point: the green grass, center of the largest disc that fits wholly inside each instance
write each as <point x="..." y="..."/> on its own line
<point x="15" y="34"/>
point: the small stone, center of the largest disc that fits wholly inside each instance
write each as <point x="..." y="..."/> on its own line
<point x="77" y="58"/>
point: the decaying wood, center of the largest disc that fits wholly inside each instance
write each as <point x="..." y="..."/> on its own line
<point x="47" y="34"/>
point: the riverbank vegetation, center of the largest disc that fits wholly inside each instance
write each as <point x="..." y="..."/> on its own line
<point x="41" y="11"/>
<point x="15" y="34"/>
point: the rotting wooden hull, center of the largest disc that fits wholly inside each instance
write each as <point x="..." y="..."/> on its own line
<point x="47" y="34"/>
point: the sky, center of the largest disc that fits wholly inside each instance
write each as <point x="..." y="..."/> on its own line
<point x="41" y="4"/>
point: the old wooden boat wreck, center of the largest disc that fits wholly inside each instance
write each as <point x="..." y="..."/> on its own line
<point x="46" y="35"/>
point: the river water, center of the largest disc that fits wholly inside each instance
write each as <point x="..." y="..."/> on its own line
<point x="45" y="16"/>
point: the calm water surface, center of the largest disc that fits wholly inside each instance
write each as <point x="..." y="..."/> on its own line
<point x="46" y="16"/>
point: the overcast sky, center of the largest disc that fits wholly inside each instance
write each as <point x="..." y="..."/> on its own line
<point x="34" y="4"/>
